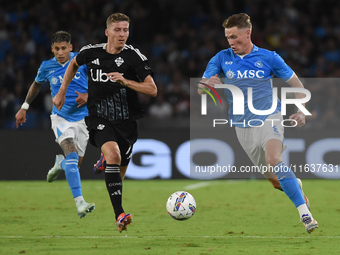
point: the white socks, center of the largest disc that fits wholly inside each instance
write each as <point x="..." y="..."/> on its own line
<point x="78" y="199"/>
<point x="303" y="210"/>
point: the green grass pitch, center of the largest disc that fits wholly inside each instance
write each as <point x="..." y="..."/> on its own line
<point x="232" y="217"/>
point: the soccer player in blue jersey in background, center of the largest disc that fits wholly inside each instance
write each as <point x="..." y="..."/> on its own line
<point x="68" y="123"/>
<point x="245" y="65"/>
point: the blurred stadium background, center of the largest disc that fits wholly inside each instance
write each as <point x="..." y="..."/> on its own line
<point x="179" y="38"/>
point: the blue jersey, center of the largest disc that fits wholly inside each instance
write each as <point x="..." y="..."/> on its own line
<point x="53" y="71"/>
<point x="254" y="70"/>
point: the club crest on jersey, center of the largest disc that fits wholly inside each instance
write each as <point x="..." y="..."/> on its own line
<point x="119" y="61"/>
<point x="258" y="64"/>
<point x="54" y="80"/>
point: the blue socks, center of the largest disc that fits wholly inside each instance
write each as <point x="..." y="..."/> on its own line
<point x="289" y="183"/>
<point x="70" y="166"/>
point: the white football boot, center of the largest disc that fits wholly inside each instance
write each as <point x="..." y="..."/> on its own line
<point x="83" y="208"/>
<point x="309" y="223"/>
<point x="56" y="169"/>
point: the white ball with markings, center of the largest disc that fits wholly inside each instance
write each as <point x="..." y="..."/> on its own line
<point x="181" y="205"/>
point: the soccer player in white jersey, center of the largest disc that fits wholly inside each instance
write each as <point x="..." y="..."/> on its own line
<point x="245" y="65"/>
<point x="68" y="123"/>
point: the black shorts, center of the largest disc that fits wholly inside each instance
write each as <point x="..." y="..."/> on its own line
<point x="124" y="133"/>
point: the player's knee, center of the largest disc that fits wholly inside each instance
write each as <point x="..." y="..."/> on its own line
<point x="68" y="146"/>
<point x="273" y="159"/>
<point x="113" y="157"/>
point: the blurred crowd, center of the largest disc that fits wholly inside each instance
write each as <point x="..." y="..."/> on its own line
<point x="178" y="37"/>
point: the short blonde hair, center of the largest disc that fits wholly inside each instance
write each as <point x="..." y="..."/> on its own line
<point x="116" y="17"/>
<point x="240" y="20"/>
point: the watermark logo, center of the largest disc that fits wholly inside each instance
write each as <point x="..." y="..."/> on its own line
<point x="239" y="100"/>
<point x="204" y="107"/>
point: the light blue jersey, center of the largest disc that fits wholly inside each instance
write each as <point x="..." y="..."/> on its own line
<point x="253" y="70"/>
<point x="53" y="71"/>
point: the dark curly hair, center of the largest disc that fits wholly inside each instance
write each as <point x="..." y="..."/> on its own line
<point x="61" y="36"/>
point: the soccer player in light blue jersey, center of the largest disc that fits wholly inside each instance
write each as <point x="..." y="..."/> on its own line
<point x="245" y="65"/>
<point x="68" y="123"/>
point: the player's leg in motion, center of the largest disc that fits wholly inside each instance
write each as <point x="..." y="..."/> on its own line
<point x="100" y="167"/>
<point x="70" y="166"/>
<point x="289" y="183"/>
<point x="272" y="178"/>
<point x="114" y="183"/>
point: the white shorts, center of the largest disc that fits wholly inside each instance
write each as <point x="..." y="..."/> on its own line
<point x="254" y="139"/>
<point x="65" y="129"/>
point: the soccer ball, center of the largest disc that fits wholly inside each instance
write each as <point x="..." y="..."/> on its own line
<point x="181" y="205"/>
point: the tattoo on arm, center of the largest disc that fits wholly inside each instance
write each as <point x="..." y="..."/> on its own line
<point x="68" y="146"/>
<point x="33" y="92"/>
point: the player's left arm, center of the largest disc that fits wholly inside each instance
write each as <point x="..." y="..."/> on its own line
<point x="299" y="117"/>
<point x="147" y="87"/>
<point x="282" y="70"/>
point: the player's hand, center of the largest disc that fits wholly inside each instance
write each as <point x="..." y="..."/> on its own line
<point x="214" y="80"/>
<point x="20" y="117"/>
<point x="210" y="82"/>
<point x="300" y="119"/>
<point x="117" y="77"/>
<point x="81" y="99"/>
<point x="59" y="100"/>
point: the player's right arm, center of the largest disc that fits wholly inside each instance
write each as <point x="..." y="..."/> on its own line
<point x="60" y="97"/>
<point x="212" y="71"/>
<point x="211" y="82"/>
<point x="31" y="94"/>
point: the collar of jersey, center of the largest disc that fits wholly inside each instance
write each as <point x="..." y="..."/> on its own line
<point x="255" y="48"/>
<point x="104" y="47"/>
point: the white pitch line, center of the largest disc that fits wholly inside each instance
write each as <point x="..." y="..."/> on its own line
<point x="181" y="237"/>
<point x="207" y="183"/>
<point x="197" y="185"/>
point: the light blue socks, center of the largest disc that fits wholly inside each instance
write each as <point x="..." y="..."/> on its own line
<point x="289" y="183"/>
<point x="70" y="166"/>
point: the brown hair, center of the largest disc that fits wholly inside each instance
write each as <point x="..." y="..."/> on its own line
<point x="61" y="36"/>
<point x="240" y="20"/>
<point x="116" y="17"/>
